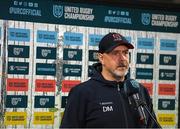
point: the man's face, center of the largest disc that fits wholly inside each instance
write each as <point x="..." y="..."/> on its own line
<point x="115" y="63"/>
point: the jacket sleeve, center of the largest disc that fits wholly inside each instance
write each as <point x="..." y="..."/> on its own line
<point x="150" y="122"/>
<point x="74" y="111"/>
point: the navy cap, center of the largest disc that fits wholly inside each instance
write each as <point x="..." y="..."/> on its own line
<point x="111" y="41"/>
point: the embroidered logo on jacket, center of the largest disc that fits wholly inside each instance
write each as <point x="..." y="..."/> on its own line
<point x="106" y="106"/>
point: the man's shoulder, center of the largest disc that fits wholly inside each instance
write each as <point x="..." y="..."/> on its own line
<point x="85" y="86"/>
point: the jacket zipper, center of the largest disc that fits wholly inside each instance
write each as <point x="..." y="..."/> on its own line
<point x="122" y="101"/>
<point x="118" y="87"/>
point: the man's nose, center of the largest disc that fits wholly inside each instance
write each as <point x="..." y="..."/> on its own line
<point x="121" y="56"/>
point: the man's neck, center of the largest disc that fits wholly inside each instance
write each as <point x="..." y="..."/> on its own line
<point x="109" y="77"/>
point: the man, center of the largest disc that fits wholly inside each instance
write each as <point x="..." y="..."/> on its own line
<point x="101" y="102"/>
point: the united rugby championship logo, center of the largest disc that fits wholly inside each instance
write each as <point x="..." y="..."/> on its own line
<point x="145" y="18"/>
<point x="57" y="11"/>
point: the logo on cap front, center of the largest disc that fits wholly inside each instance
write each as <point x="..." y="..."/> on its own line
<point x="117" y="37"/>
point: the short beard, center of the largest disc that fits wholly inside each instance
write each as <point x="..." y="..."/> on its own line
<point x="119" y="75"/>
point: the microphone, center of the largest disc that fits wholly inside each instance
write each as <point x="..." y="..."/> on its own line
<point x="131" y="88"/>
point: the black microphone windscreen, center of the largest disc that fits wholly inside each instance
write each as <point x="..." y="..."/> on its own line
<point x="131" y="87"/>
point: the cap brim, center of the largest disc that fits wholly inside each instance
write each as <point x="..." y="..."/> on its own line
<point x="128" y="45"/>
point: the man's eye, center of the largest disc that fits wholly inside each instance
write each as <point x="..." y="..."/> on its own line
<point x="115" y="53"/>
<point x="126" y="52"/>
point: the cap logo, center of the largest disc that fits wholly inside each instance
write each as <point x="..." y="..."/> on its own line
<point x="117" y="37"/>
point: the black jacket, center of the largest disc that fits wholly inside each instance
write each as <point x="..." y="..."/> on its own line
<point x="99" y="103"/>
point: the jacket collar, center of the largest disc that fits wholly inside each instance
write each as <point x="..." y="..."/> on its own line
<point x="96" y="75"/>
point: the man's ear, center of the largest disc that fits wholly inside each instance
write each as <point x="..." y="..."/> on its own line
<point x="100" y="57"/>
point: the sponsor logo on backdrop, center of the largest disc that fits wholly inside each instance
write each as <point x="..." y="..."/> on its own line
<point x="17" y="84"/>
<point x="45" y="85"/>
<point x="144" y="73"/>
<point x="18" y="51"/>
<point x="72" y="70"/>
<point x="167" y="89"/>
<point x="73" y="13"/>
<point x="72" y="54"/>
<point x="160" y="20"/>
<point x="46" y="36"/>
<point x="46" y="53"/>
<point x="166" y="104"/>
<point x="43" y="118"/>
<point x="17" y="34"/>
<point x="167" y="59"/>
<point x="45" y="69"/>
<point x="25" y="8"/>
<point x="57" y="11"/>
<point x="145" y="43"/>
<point x="15" y="118"/>
<point x="166" y="119"/>
<point x="144" y="58"/>
<point x="145" y="18"/>
<point x="168" y="44"/>
<point x="118" y="17"/>
<point x="16" y="101"/>
<point x="94" y="39"/>
<point x="18" y="68"/>
<point x="73" y="38"/>
<point x="167" y="74"/>
<point x="44" y="102"/>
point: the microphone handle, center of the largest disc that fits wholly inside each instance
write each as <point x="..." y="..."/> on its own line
<point x="145" y="106"/>
<point x="140" y="108"/>
<point x="142" y="115"/>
